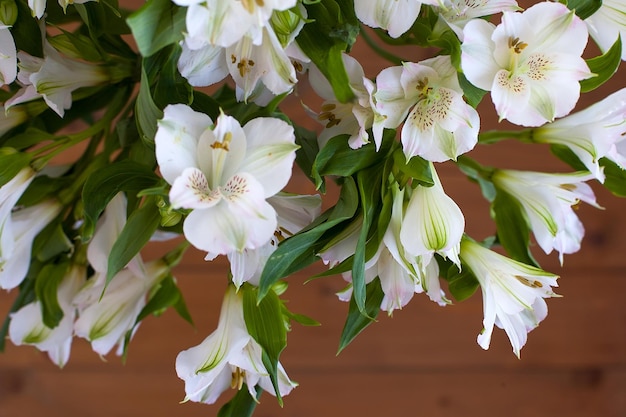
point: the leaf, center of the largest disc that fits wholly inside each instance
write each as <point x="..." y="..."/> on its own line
<point x="242" y="404"/>
<point x="461" y="284"/>
<point x="157" y="24"/>
<point x="323" y="39"/>
<point x="11" y="163"/>
<point x="604" y="66"/>
<point x="46" y="285"/>
<point x="288" y="256"/>
<point x="472" y="94"/>
<point x="26" y="32"/>
<point x="416" y="168"/>
<point x="615" y="179"/>
<point x="136" y="232"/>
<point x="105" y="183"/>
<point x="307" y="151"/>
<point x="584" y="8"/>
<point x="169" y="86"/>
<point x="146" y="111"/>
<point x="266" y="324"/>
<point x="512" y="226"/>
<point x="356" y="321"/>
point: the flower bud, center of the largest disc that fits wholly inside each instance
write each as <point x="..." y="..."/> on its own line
<point x="8" y="12"/>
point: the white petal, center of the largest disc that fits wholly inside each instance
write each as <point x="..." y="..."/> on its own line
<point x="203" y="67"/>
<point x="191" y="191"/>
<point x="477" y="58"/>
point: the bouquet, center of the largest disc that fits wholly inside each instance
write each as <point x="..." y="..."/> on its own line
<point x="172" y="123"/>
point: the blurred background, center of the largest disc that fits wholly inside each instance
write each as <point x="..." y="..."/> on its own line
<point x="422" y="361"/>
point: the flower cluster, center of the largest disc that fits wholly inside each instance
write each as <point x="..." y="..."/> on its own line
<point x="181" y="132"/>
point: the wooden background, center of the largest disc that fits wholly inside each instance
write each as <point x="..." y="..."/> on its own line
<point x="424" y="361"/>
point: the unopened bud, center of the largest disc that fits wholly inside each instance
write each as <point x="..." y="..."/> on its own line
<point x="8" y="12"/>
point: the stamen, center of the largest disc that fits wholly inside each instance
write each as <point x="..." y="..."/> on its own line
<point x="529" y="283"/>
<point x="228" y="136"/>
<point x="237" y="378"/>
<point x="517" y="45"/>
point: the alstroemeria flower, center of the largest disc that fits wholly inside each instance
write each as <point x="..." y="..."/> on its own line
<point x="456" y="13"/>
<point x="38" y="7"/>
<point x="433" y="223"/>
<point x="228" y="357"/>
<point x="18" y="234"/>
<point x="513" y="293"/>
<point x="607" y="23"/>
<point x="107" y="312"/>
<point x="547" y="201"/>
<point x="224" y="173"/>
<point x="10" y="193"/>
<point x="440" y="125"/>
<point x="225" y="22"/>
<point x="395" y="16"/>
<point x="27" y="326"/>
<point x="54" y="78"/>
<point x="293" y="212"/>
<point x="353" y="118"/>
<point x="531" y="62"/>
<point x="8" y="56"/>
<point x="592" y="133"/>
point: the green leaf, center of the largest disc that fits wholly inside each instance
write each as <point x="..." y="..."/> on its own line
<point x="76" y="46"/>
<point x="46" y="286"/>
<point x="512" y="226"/>
<point x="337" y="158"/>
<point x="299" y="250"/>
<point x="157" y="24"/>
<point x="50" y="242"/>
<point x="11" y="163"/>
<point x="604" y="66"/>
<point x="306" y="154"/>
<point x="472" y="94"/>
<point x="105" y="183"/>
<point x="356" y="321"/>
<point x="30" y="137"/>
<point x="146" y="111"/>
<point x="167" y="295"/>
<point x="479" y="174"/>
<point x="323" y="39"/>
<point x="242" y="404"/>
<point x="26" y="32"/>
<point x="584" y="8"/>
<point x="102" y="18"/>
<point x="461" y="284"/>
<point x="136" y="232"/>
<point x="615" y="177"/>
<point x="266" y="324"/>
<point x="416" y="168"/>
<point x="168" y="85"/>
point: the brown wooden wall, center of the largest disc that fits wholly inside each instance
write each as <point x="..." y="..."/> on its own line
<point x="422" y="362"/>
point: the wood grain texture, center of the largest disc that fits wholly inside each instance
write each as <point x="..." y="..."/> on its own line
<point x="422" y="361"/>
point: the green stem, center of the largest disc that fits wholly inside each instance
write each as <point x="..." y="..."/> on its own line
<point x="380" y="51"/>
<point x="494" y="136"/>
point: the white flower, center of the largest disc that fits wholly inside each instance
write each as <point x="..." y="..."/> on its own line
<point x="107" y="312"/>
<point x="593" y="133"/>
<point x="54" y="78"/>
<point x="395" y="16"/>
<point x="38" y="7"/>
<point x="8" y="56"/>
<point x="17" y="238"/>
<point x="513" y="293"/>
<point x="228" y="357"/>
<point x="456" y="13"/>
<point x="607" y="24"/>
<point x="294" y="212"/>
<point x="225" y="22"/>
<point x="27" y="325"/>
<point x="10" y="193"/>
<point x="531" y="62"/>
<point x="433" y="223"/>
<point x="547" y="201"/>
<point x="353" y="118"/>
<point x="224" y="173"/>
<point x="440" y="125"/>
<point x="13" y="117"/>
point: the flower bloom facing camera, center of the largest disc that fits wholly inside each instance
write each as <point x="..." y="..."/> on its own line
<point x="531" y="62"/>
<point x="224" y="173"/>
<point x="513" y="293"/>
<point x="228" y="357"/>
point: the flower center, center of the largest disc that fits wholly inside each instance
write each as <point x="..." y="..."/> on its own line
<point x="423" y="88"/>
<point x="244" y="66"/>
<point x="327" y="114"/>
<point x="529" y="283"/>
<point x="249" y="4"/>
<point x="237" y="378"/>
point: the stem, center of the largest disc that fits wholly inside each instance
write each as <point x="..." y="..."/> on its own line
<point x="494" y="136"/>
<point x="380" y="51"/>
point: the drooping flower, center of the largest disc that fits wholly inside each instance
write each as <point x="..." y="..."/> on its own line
<point x="607" y="23"/>
<point x="395" y="16"/>
<point x="294" y="212"/>
<point x="593" y="133"/>
<point x="224" y="173"/>
<point x="352" y="118"/>
<point x="433" y="223"/>
<point x="440" y="126"/>
<point x="54" y="78"/>
<point x="513" y="293"/>
<point x="457" y="13"/>
<point x="225" y="22"/>
<point x="547" y="201"/>
<point x="27" y="326"/>
<point x="107" y="312"/>
<point x="228" y="357"/>
<point x="18" y="234"/>
<point x="8" y="56"/>
<point x="531" y="62"/>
